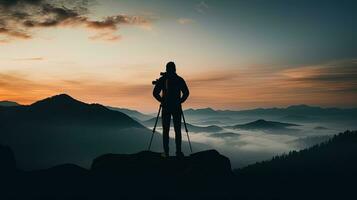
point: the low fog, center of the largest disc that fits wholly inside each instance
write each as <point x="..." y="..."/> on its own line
<point x="245" y="147"/>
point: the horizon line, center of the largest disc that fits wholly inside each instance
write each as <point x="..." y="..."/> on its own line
<point x="192" y="108"/>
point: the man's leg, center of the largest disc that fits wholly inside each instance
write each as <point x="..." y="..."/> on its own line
<point x="166" y="118"/>
<point x="177" y="125"/>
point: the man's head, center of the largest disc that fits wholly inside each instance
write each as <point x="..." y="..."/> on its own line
<point x="171" y="68"/>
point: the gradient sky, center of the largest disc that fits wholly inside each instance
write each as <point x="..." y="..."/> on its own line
<point x="233" y="54"/>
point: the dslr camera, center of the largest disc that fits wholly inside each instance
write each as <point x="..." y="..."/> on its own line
<point x="154" y="82"/>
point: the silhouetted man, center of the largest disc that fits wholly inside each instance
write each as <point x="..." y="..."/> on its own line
<point x="171" y="99"/>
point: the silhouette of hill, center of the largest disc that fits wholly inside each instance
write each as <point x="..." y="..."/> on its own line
<point x="263" y="125"/>
<point x="61" y="129"/>
<point x="8" y="103"/>
<point x="138" y="116"/>
<point x="190" y="127"/>
<point x="329" y="166"/>
<point x="65" y="108"/>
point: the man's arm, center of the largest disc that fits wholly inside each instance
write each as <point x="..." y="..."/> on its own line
<point x="185" y="91"/>
<point x="157" y="90"/>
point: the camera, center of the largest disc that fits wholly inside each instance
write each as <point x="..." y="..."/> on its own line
<point x="156" y="81"/>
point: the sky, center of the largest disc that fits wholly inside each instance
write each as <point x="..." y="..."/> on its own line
<point x="232" y="54"/>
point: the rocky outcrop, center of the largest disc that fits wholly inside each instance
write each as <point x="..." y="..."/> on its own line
<point x="145" y="163"/>
<point x="205" y="174"/>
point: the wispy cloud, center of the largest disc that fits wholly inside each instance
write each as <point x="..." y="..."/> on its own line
<point x="19" y="18"/>
<point x="332" y="76"/>
<point x="29" y="59"/>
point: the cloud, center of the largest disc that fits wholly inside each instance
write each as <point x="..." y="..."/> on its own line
<point x="337" y="76"/>
<point x="326" y="84"/>
<point x="184" y="21"/>
<point x="14" y="33"/>
<point x="19" y="18"/>
<point x="107" y="36"/>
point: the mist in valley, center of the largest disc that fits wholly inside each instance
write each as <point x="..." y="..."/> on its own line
<point x="245" y="147"/>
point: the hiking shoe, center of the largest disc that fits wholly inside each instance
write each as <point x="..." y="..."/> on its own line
<point x="164" y="155"/>
<point x="180" y="154"/>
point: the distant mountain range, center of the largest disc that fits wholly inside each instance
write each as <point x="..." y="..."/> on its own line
<point x="263" y="125"/>
<point x="203" y="111"/>
<point x="60" y="129"/>
<point x="291" y="113"/>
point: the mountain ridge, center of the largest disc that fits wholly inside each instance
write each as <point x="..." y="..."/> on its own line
<point x="60" y="125"/>
<point x="62" y="108"/>
<point x="299" y="108"/>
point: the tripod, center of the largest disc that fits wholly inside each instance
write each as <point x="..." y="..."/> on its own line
<point x="154" y="129"/>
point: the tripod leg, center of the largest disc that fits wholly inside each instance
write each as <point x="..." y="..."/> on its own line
<point x="188" y="137"/>
<point x="153" y="130"/>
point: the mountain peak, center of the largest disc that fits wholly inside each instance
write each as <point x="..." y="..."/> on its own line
<point x="60" y="99"/>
